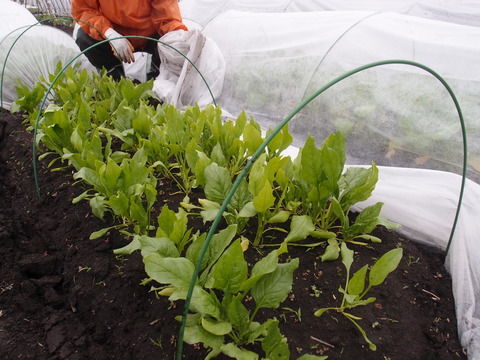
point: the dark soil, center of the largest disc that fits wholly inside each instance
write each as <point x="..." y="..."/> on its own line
<point x="63" y="296"/>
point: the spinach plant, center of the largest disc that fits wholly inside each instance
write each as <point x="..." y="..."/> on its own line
<point x="219" y="317"/>
<point x="321" y="193"/>
<point x="356" y="286"/>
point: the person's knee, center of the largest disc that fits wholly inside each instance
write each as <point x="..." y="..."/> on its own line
<point x="83" y="40"/>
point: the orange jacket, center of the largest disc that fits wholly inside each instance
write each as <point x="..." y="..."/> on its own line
<point x="128" y="17"/>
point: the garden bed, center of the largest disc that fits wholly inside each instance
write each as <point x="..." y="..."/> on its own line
<point x="63" y="296"/>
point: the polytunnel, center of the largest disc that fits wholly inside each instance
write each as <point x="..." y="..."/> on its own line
<point x="399" y="116"/>
<point x="395" y="113"/>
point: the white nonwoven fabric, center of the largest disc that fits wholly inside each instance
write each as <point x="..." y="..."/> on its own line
<point x="464" y="12"/>
<point x="179" y="83"/>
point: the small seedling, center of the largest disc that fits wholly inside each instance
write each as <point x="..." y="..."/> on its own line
<point x="355" y="289"/>
<point x="157" y="342"/>
<point x="411" y="260"/>
<point x="298" y="313"/>
<point x="316" y="292"/>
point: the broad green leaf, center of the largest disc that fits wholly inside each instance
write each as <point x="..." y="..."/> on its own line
<point x="279" y="217"/>
<point x="341" y="215"/>
<point x="357" y="282"/>
<point x="283" y="179"/>
<point x="332" y="251"/>
<point x="231" y="269"/>
<point x="356" y="302"/>
<point x="192" y="319"/>
<point x="90" y="176"/>
<point x="160" y="245"/>
<point x="257" y="178"/>
<point x="216" y="327"/>
<point x="384" y="266"/>
<point x="347" y="256"/>
<point x="141" y="123"/>
<point x="239" y="316"/>
<point x="119" y="204"/>
<point x="274" y="344"/>
<point x="311" y="163"/>
<point x="191" y="153"/>
<point x="197" y="334"/>
<point x="138" y="212"/>
<point x="202" y="302"/>
<point x="359" y="184"/>
<point x="175" y="271"/>
<point x="241" y="196"/>
<point x="323" y="234"/>
<point x="217" y="155"/>
<point x="332" y="169"/>
<point x="273" y="288"/>
<point x="248" y="210"/>
<point x="382" y="221"/>
<point x="264" y="200"/>
<point x="77" y="139"/>
<point x="300" y="228"/>
<point x="179" y="227"/>
<point x="337" y="143"/>
<point x="210" y="211"/>
<point x="218" y="243"/>
<point x="123" y="116"/>
<point x="280" y="141"/>
<point x="217" y="183"/>
<point x="195" y="247"/>
<point x="240" y="123"/>
<point x="252" y="138"/>
<point x="367" y="219"/>
<point x="257" y="330"/>
<point x="150" y="193"/>
<point x="119" y="156"/>
<point x="130" y="247"/>
<point x="172" y="225"/>
<point x="235" y="352"/>
<point x="274" y="165"/>
<point x="266" y="265"/>
<point x="97" y="203"/>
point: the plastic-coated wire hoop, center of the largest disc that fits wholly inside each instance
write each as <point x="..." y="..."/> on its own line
<point x="35" y="173"/>
<point x="262" y="147"/>
<point x="351" y="27"/>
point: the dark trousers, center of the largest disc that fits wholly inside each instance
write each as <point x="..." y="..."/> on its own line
<point x="101" y="56"/>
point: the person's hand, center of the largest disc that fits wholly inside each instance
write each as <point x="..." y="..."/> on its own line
<point x="121" y="47"/>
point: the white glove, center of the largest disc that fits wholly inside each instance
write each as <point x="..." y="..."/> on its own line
<point x="121" y="47"/>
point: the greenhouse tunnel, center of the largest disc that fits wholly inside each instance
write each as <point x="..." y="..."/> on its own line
<point x="397" y="115"/>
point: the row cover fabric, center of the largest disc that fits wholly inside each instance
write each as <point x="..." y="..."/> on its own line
<point x="27" y="52"/>
<point x="464" y="12"/>
<point x="396" y="115"/>
<point x="400" y="116"/>
<point x="179" y="83"/>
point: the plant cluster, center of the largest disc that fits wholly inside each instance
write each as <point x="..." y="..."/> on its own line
<point x="120" y="145"/>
